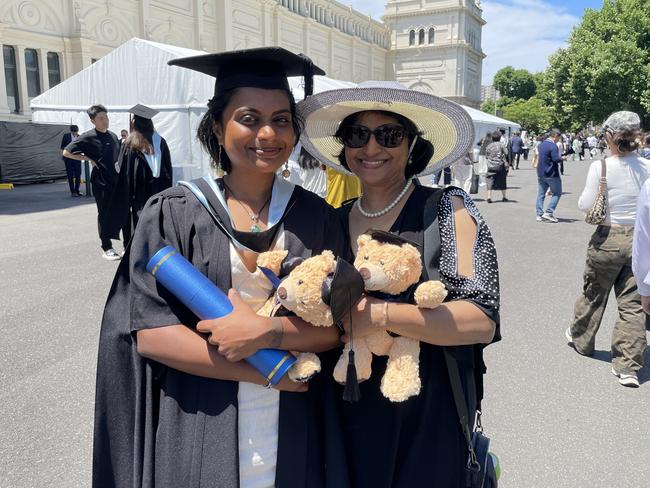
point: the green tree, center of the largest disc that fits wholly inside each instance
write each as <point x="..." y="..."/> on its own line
<point x="533" y="114"/>
<point x="515" y="83"/>
<point x="605" y="67"/>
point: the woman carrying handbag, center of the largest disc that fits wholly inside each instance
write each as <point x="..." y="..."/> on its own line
<point x="609" y="197"/>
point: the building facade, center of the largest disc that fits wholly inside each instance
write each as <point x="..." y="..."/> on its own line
<point x="429" y="45"/>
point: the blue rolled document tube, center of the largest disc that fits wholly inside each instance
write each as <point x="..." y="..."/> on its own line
<point x="207" y="301"/>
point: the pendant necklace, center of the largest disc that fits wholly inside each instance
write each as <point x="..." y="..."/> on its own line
<point x="255" y="217"/>
<point x="387" y="209"/>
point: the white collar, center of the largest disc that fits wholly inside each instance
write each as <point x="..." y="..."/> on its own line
<point x="280" y="195"/>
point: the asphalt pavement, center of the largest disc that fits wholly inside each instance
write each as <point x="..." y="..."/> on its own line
<point x="556" y="419"/>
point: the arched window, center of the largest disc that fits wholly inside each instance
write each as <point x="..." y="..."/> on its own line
<point x="432" y="34"/>
<point x="411" y="38"/>
<point x="421" y="36"/>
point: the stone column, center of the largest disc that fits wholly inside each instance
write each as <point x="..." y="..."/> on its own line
<point x="22" y="81"/>
<point x="42" y="70"/>
<point x="224" y="25"/>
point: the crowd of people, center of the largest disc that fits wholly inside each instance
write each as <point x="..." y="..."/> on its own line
<point x="176" y="402"/>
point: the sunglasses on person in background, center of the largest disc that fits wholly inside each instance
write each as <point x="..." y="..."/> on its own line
<point x="387" y="135"/>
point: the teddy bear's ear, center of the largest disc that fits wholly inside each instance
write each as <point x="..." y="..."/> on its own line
<point x="362" y="240"/>
<point x="329" y="261"/>
<point x="411" y="250"/>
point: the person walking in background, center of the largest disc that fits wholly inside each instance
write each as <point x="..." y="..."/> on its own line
<point x="497" y="164"/>
<point x="517" y="145"/>
<point x="548" y="176"/>
<point x="100" y="147"/>
<point x="123" y="135"/>
<point x="462" y="172"/>
<point x="641" y="246"/>
<point x="527" y="141"/>
<point x="609" y="255"/>
<point x="645" y="150"/>
<point x="72" y="166"/>
<point x="577" y="148"/>
<point x="561" y="148"/>
<point x="145" y="168"/>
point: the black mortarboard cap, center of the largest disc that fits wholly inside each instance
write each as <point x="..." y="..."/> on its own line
<point x="264" y="67"/>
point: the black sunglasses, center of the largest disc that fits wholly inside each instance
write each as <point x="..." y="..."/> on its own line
<point x="387" y="135"/>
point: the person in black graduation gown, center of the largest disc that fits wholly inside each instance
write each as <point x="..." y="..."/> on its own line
<point x="144" y="168"/>
<point x="100" y="147"/>
<point x="386" y="135"/>
<point x="166" y="410"/>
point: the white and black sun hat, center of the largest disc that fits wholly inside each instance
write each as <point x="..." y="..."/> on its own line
<point x="443" y="123"/>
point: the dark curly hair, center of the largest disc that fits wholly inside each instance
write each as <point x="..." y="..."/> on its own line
<point x="422" y="151"/>
<point x="216" y="108"/>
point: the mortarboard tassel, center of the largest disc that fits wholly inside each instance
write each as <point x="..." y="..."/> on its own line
<point x="308" y="74"/>
<point x="351" y="392"/>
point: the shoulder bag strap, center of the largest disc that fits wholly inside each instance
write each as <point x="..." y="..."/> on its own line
<point x="432" y="253"/>
<point x="603" y="177"/>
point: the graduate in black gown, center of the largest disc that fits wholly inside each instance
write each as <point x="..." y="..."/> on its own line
<point x="166" y="411"/>
<point x="144" y="168"/>
<point x="386" y="135"/>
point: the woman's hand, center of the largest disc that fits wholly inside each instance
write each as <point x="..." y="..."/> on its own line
<point x="366" y="317"/>
<point x="239" y="334"/>
<point x="645" y="302"/>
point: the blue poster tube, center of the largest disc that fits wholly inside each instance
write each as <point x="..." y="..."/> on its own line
<point x="207" y="301"/>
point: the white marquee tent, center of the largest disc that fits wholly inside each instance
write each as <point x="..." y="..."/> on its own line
<point x="137" y="72"/>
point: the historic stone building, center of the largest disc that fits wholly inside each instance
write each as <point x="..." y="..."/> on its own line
<point x="429" y="45"/>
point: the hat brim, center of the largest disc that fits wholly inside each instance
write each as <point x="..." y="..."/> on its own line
<point x="443" y="123"/>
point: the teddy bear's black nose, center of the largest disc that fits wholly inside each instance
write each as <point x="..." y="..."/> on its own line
<point x="365" y="273"/>
<point x="282" y="293"/>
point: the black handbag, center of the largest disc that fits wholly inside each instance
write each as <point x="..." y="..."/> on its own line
<point x="480" y="472"/>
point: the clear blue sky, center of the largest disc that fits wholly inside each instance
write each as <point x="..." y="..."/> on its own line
<point x="521" y="33"/>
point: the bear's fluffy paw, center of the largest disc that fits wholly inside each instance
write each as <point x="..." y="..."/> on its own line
<point x="430" y="294"/>
<point x="307" y="365"/>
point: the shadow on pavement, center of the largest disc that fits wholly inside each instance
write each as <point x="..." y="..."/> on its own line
<point x="606" y="357"/>
<point x="40" y="197"/>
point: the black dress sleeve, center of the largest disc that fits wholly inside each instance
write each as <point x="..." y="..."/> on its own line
<point x="151" y="305"/>
<point x="482" y="289"/>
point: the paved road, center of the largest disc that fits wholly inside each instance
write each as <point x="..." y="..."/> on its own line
<point x="556" y="419"/>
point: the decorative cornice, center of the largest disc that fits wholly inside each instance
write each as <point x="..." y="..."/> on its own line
<point x="441" y="47"/>
<point x="428" y="11"/>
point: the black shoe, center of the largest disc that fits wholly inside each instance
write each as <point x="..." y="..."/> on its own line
<point x="489" y="200"/>
<point x="504" y="199"/>
<point x="79" y="194"/>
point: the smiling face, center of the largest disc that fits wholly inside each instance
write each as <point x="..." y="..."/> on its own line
<point x="373" y="163"/>
<point x="256" y="129"/>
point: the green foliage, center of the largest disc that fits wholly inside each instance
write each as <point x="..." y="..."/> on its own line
<point x="515" y="83"/>
<point x="605" y="68"/>
<point x="533" y="114"/>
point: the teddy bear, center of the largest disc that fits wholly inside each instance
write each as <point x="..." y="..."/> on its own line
<point x="319" y="290"/>
<point x="390" y="265"/>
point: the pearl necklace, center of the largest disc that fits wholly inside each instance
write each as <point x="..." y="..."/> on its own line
<point x="372" y="215"/>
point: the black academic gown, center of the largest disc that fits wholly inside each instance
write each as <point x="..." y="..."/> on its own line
<point x="136" y="184"/>
<point x="157" y="426"/>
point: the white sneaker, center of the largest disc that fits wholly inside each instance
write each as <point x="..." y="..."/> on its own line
<point x="538" y="218"/>
<point x="627" y="379"/>
<point x="111" y="255"/>
<point x="549" y="218"/>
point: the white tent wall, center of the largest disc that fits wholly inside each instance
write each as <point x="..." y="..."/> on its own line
<point x="137" y="72"/>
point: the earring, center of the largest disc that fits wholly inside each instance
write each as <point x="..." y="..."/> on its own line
<point x="285" y="172"/>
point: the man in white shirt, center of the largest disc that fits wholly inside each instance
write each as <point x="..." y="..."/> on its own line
<point x="641" y="247"/>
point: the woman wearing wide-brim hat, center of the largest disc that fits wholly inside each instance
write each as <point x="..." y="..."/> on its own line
<point x="386" y="135"/>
